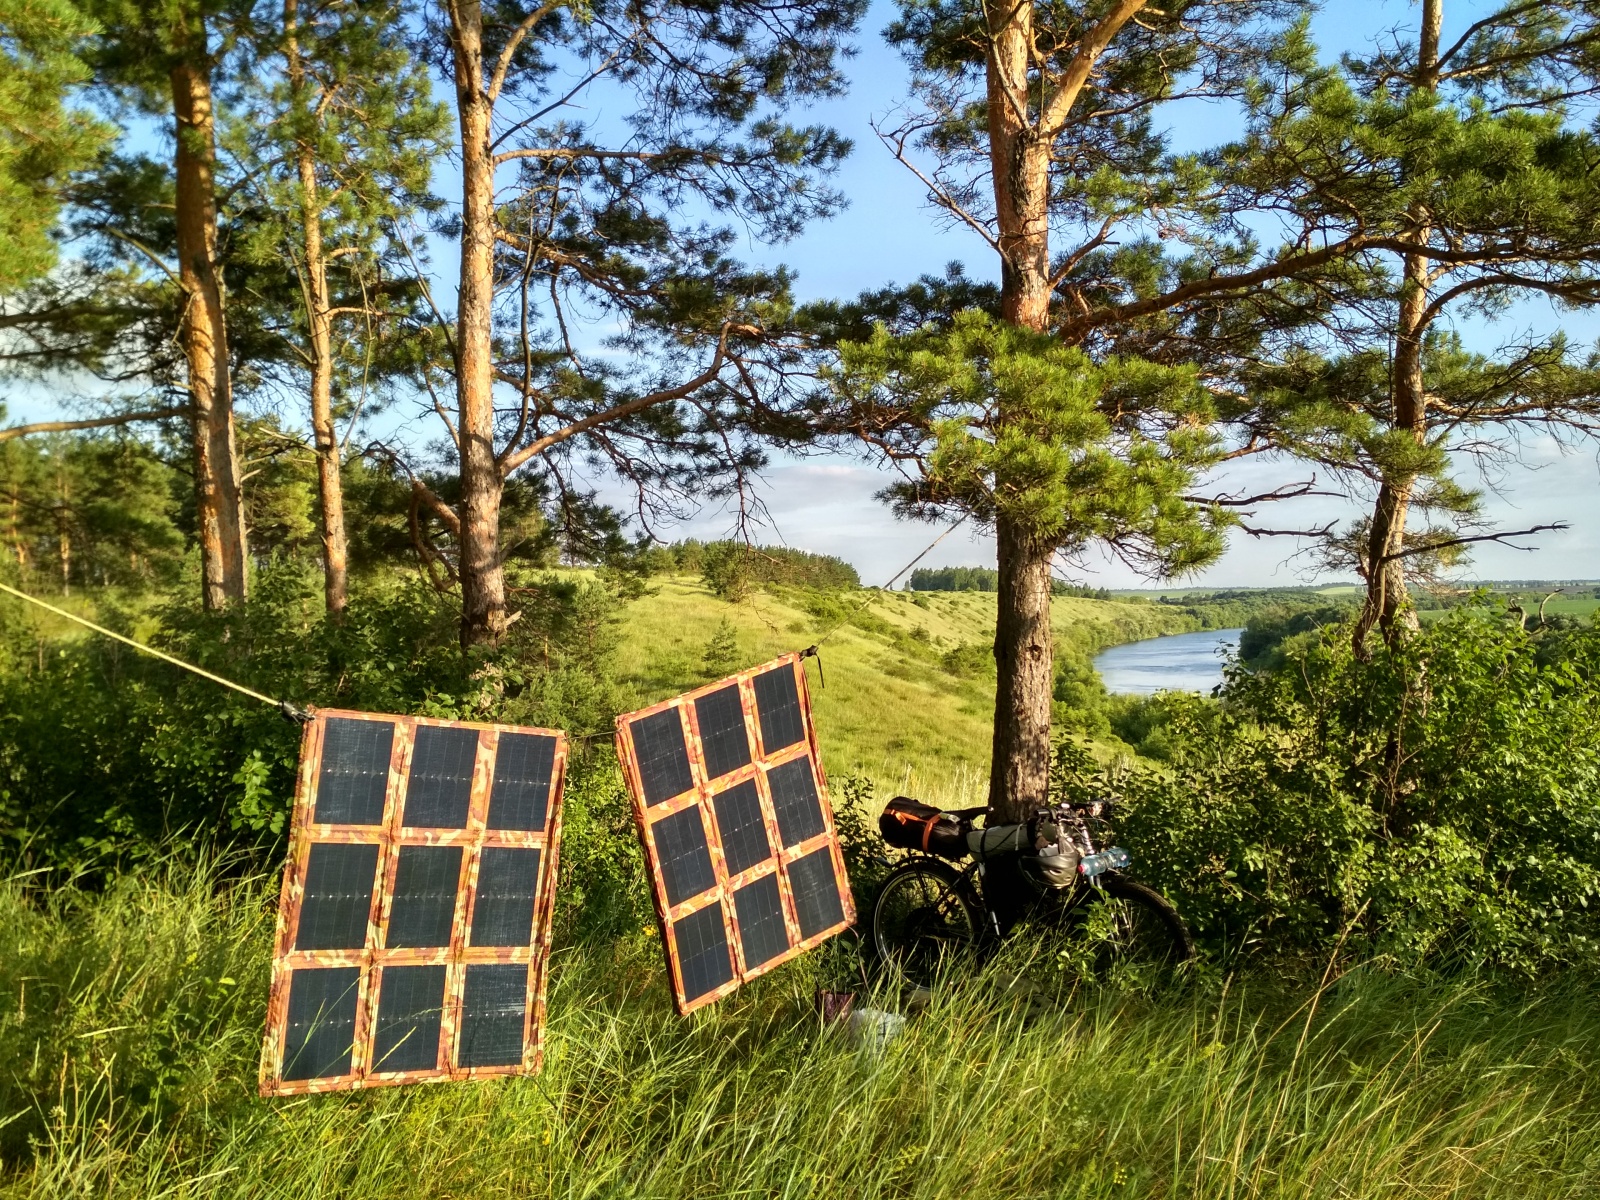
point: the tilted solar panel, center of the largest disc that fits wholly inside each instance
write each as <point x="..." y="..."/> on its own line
<point x="731" y="804"/>
<point x="414" y="927"/>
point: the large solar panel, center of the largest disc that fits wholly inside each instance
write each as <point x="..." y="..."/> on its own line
<point x="732" y="807"/>
<point x="414" y="927"/>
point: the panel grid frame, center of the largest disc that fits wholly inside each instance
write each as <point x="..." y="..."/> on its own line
<point x="701" y="797"/>
<point x="391" y="836"/>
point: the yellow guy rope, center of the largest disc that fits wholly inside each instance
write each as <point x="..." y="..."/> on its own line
<point x="288" y="710"/>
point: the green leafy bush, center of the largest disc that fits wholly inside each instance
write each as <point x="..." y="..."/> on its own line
<point x="1439" y="803"/>
<point x="1261" y="643"/>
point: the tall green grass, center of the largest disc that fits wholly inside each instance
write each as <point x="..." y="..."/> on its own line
<point x="130" y="1023"/>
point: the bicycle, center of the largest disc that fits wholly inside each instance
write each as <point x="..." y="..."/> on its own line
<point x="1055" y="871"/>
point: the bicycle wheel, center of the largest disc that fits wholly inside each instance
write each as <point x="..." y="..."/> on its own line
<point x="1128" y="932"/>
<point x="923" y="919"/>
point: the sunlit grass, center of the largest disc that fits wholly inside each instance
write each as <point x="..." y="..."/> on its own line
<point x="884" y="704"/>
<point x="130" y="1022"/>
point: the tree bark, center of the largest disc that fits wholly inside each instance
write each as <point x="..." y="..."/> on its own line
<point x="1386" y="600"/>
<point x="64" y="548"/>
<point x="219" y="509"/>
<point x="319" y="321"/>
<point x="1020" y="166"/>
<point x="483" y="592"/>
<point x="1019" y="777"/>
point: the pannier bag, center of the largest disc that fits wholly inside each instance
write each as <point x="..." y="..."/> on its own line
<point x="997" y="840"/>
<point x="912" y="825"/>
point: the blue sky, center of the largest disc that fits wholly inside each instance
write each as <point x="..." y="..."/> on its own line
<point x="889" y="234"/>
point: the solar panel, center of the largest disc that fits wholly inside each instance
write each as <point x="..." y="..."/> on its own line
<point x="414" y="926"/>
<point x="732" y="807"/>
<point x="410" y="1018"/>
<point x="355" y="772"/>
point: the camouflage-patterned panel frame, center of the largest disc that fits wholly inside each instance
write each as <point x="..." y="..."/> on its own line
<point x="390" y="836"/>
<point x="647" y="816"/>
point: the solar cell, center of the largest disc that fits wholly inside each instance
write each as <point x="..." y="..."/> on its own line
<point x="414" y="927"/>
<point x="320" y="1038"/>
<point x="794" y="797"/>
<point x="758" y="858"/>
<point x="340" y="877"/>
<point x="703" y="951"/>
<point x="684" y="855"/>
<point x="521" y="793"/>
<point x="508" y="880"/>
<point x="410" y="1016"/>
<point x="355" y="771"/>
<point x="816" y="892"/>
<point x="741" y="827"/>
<point x="426" y="881"/>
<point x="663" y="761"/>
<point x="778" y="702"/>
<point x="723" y="738"/>
<point x="759" y="909"/>
<point x="494" y="1005"/>
<point x="439" y="786"/>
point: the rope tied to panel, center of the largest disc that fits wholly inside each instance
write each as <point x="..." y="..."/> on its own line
<point x="815" y="649"/>
<point x="291" y="711"/>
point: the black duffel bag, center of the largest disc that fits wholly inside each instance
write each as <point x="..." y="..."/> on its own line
<point x="912" y="825"/>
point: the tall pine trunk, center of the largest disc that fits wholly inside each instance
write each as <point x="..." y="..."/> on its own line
<point x="219" y="508"/>
<point x="1386" y="575"/>
<point x="483" y="591"/>
<point x="1024" y="652"/>
<point x="1019" y="777"/>
<point x="1386" y="597"/>
<point x="319" y="321"/>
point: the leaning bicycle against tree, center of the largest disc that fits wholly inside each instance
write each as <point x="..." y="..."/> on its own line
<point x="1056" y="871"/>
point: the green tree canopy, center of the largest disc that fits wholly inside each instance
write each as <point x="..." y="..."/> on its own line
<point x="43" y="138"/>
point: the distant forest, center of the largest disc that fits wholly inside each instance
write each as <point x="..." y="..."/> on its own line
<point x="986" y="579"/>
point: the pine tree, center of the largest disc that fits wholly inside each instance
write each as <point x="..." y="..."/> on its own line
<point x="165" y="55"/>
<point x="1036" y="128"/>
<point x="43" y="138"/>
<point x="1472" y="153"/>
<point x="595" y="239"/>
<point x="722" y="654"/>
<point x="336" y="134"/>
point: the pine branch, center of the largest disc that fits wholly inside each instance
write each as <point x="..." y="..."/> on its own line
<point x="145" y="414"/>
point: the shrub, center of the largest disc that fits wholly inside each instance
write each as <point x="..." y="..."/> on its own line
<point x="1437" y="803"/>
<point x="969" y="660"/>
<point x="1261" y="643"/>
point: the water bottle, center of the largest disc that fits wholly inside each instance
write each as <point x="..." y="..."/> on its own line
<point x="1114" y="858"/>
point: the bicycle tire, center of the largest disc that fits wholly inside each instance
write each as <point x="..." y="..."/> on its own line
<point x="1144" y="932"/>
<point x="924" y="918"/>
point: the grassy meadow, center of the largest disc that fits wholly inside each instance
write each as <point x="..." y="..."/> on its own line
<point x="132" y="1022"/>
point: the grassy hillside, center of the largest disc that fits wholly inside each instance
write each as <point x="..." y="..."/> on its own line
<point x="900" y="702"/>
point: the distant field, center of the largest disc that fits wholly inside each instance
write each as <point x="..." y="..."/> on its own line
<point x="889" y="708"/>
<point x="1566" y="606"/>
<point x="1187" y="593"/>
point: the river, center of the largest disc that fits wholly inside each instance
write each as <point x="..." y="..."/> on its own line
<point x="1184" y="662"/>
